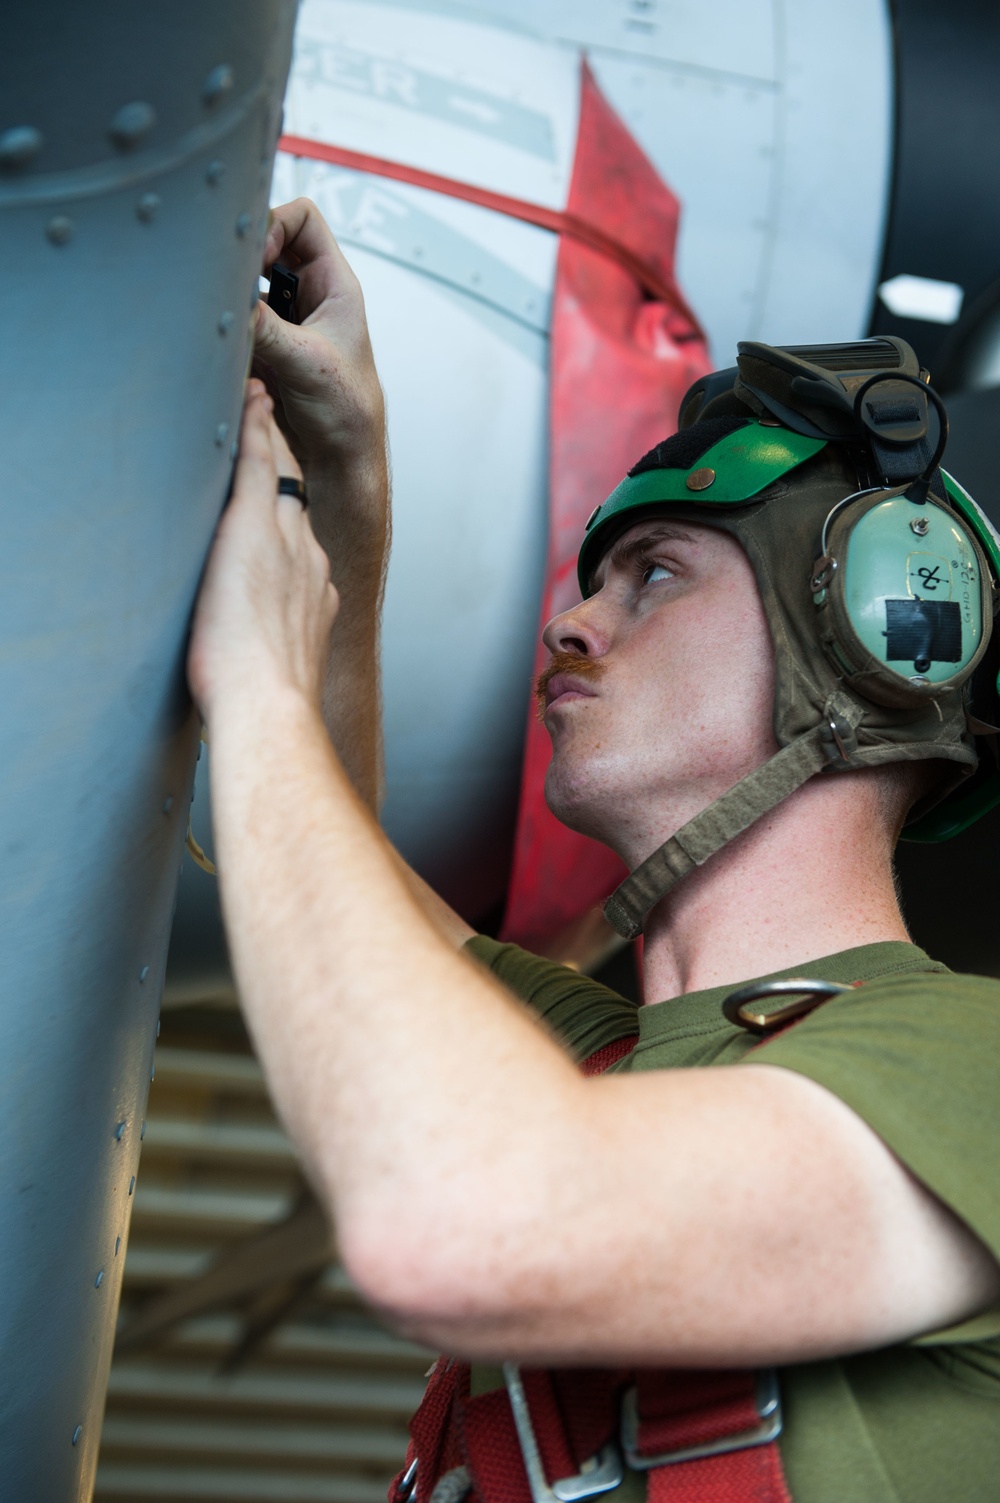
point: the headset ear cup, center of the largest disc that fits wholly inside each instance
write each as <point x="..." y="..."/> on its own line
<point x="907" y="611"/>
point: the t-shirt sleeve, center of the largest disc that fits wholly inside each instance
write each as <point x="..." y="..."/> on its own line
<point x="918" y="1058"/>
<point x="581" y="1012"/>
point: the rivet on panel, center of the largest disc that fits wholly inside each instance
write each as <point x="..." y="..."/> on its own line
<point x="142" y="1130"/>
<point x="158" y="1027"/>
<point x="168" y="803"/>
<point x="147" y="208"/>
<point x="215" y="172"/>
<point x="77" y="1433"/>
<point x="131" y="123"/>
<point x="700" y="480"/>
<point x="100" y="1279"/>
<point x="225" y="322"/>
<point x="119" y="1132"/>
<point x="221" y="434"/>
<point x="244" y="225"/>
<point x="59" y="230"/>
<point x="217" y="85"/>
<point x="131" y="1184"/>
<point x="19" y="145"/>
<point x="152" y="1075"/>
<point x="118" y="1244"/>
<point x="144" y="973"/>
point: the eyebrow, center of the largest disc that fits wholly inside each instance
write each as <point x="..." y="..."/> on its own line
<point x="627" y="549"/>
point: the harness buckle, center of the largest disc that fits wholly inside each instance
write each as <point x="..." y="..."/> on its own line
<point x="600" y="1474"/>
<point x="768" y="1428"/>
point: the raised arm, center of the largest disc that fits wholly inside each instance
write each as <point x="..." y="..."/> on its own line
<point x="320" y="373"/>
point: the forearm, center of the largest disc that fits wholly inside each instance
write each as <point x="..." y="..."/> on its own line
<point x="399" y="1068"/>
<point x="349" y="511"/>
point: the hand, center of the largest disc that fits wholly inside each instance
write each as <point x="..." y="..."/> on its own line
<point x="266" y="608"/>
<point x="321" y="371"/>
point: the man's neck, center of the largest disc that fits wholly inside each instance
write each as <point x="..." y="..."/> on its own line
<point x="810" y="879"/>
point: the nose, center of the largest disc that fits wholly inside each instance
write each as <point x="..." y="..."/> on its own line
<point x="576" y="631"/>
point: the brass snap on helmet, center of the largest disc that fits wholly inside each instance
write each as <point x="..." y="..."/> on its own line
<point x="879" y="575"/>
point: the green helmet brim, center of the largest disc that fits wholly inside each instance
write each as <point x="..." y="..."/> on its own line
<point x="741" y="465"/>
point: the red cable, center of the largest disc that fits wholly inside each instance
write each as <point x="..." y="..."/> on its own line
<point x="558" y="221"/>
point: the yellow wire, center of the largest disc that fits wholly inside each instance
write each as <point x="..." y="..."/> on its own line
<point x="198" y="855"/>
<point x="194" y="849"/>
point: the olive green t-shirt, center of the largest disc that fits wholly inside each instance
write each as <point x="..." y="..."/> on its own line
<point x="916" y="1053"/>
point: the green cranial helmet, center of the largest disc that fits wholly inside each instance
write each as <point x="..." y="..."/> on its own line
<point x="878" y="572"/>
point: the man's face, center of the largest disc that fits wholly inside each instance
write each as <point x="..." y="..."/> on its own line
<point x="660" y="693"/>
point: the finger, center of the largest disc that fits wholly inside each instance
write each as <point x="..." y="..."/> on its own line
<point x="255" y="480"/>
<point x="300" y="235"/>
<point x="299" y="229"/>
<point x="273" y="340"/>
<point x="274" y="239"/>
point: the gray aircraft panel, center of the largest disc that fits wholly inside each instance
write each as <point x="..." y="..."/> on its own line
<point x="135" y="158"/>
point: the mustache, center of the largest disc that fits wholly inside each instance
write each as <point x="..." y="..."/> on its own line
<point x="565" y="662"/>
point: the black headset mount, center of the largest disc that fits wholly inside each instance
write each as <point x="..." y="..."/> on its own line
<point x="871" y="395"/>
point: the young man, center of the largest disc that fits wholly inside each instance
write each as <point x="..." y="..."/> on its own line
<point x="621" y="1241"/>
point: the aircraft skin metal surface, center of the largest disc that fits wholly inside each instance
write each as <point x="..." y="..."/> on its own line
<point x="136" y="146"/>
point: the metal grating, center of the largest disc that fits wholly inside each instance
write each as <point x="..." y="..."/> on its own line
<point x="275" y="1385"/>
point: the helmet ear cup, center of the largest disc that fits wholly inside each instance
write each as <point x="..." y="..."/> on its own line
<point x="903" y="599"/>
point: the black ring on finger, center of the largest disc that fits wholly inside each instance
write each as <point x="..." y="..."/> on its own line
<point x="290" y="485"/>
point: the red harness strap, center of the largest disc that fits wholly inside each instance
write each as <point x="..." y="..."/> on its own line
<point x="560" y="221"/>
<point x="575" y="1413"/>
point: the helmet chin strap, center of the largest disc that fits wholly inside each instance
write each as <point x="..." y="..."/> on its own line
<point x="832" y="743"/>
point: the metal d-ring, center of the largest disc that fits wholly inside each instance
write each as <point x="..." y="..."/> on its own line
<point x="809" y="993"/>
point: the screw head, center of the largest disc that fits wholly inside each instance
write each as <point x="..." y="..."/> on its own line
<point x="218" y="83"/>
<point x="700" y="480"/>
<point x="244" y="225"/>
<point x="59" y="230"/>
<point x="131" y="123"/>
<point x="225" y="322"/>
<point x="921" y="526"/>
<point x="19" y="145"/>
